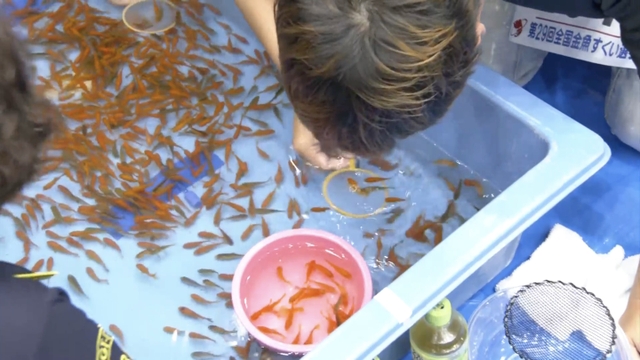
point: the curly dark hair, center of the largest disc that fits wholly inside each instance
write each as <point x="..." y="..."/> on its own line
<point x="25" y="117"/>
<point x="361" y="74"/>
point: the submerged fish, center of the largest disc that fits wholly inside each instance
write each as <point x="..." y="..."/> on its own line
<point x="229" y="256"/>
<point x="75" y="285"/>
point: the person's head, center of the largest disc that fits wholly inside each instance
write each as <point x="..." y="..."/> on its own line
<point x="361" y="74"/>
<point x="25" y="117"/>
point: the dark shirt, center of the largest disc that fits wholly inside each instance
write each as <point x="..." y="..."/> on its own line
<point x="40" y="323"/>
<point x="626" y="12"/>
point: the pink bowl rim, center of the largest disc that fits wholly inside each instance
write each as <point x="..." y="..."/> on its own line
<point x="283" y="236"/>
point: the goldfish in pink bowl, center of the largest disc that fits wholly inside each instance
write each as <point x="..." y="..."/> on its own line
<point x="295" y="287"/>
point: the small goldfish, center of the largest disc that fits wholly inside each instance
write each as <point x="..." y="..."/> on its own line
<point x="340" y="270"/>
<point x="446" y="162"/>
<point x="475" y="184"/>
<point x="269" y="331"/>
<point x="116" y="332"/>
<point x="207" y="272"/>
<point x="309" y="340"/>
<point x="226" y="277"/>
<point x="60" y="249"/>
<point x="279" y="177"/>
<point x="229" y="256"/>
<point x="92" y="274"/>
<point x="296" y="340"/>
<point x="306" y="293"/>
<point x="383" y="164"/>
<point x="367" y="190"/>
<point x="265" y="228"/>
<point x="395" y="214"/>
<point x="280" y="272"/>
<point x="143" y="269"/>
<point x="92" y="255"/>
<point x="218" y="330"/>
<point x="172" y="330"/>
<point x="188" y="281"/>
<point x="37" y="266"/>
<point x="192" y="314"/>
<point x="353" y="184"/>
<point x="112" y="244"/>
<point x="375" y="179"/>
<point x="210" y="283"/>
<point x="75" y="285"/>
<point x="205" y="355"/>
<point x="457" y="190"/>
<point x="197" y="336"/>
<point x="267" y="308"/>
<point x="205" y="249"/>
<point x="313" y="266"/>
<point x="200" y="300"/>
<point x="449" y="212"/>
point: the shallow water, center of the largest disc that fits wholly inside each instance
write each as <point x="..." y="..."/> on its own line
<point x="141" y="306"/>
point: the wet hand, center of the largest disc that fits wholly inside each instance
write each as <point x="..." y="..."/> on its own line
<point x="308" y="147"/>
<point x="630" y="323"/>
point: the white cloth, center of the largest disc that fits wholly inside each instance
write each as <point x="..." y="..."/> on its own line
<point x="564" y="256"/>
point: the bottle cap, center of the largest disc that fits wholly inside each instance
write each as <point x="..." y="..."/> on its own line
<point x="440" y="315"/>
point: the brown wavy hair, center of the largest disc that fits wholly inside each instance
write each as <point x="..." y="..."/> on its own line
<point x="26" y="118"/>
<point x="362" y="74"/>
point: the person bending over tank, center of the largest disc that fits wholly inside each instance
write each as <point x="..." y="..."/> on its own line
<point x="362" y="74"/>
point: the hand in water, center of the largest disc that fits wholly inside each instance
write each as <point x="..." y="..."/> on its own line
<point x="308" y="147"/>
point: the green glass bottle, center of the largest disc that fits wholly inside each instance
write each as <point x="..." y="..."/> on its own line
<point x="440" y="335"/>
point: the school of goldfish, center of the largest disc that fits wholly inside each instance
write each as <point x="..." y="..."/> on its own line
<point x="320" y="283"/>
<point x="108" y="82"/>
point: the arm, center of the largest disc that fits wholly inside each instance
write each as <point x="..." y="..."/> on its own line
<point x="260" y="16"/>
<point x="630" y="320"/>
<point x="627" y="13"/>
<point x="634" y="298"/>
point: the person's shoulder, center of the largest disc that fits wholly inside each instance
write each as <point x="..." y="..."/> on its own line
<point x="24" y="308"/>
<point x="9" y="270"/>
<point x="25" y="289"/>
<point x="81" y="339"/>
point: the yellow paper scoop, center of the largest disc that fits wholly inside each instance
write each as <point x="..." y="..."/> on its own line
<point x="355" y="192"/>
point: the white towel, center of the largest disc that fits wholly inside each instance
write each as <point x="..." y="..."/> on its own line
<point x="564" y="256"/>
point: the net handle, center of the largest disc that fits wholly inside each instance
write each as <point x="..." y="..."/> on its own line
<point x="352" y="168"/>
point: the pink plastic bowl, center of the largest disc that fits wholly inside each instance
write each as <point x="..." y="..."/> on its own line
<point x="256" y="283"/>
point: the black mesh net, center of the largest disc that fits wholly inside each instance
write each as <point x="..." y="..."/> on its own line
<point x="559" y="321"/>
